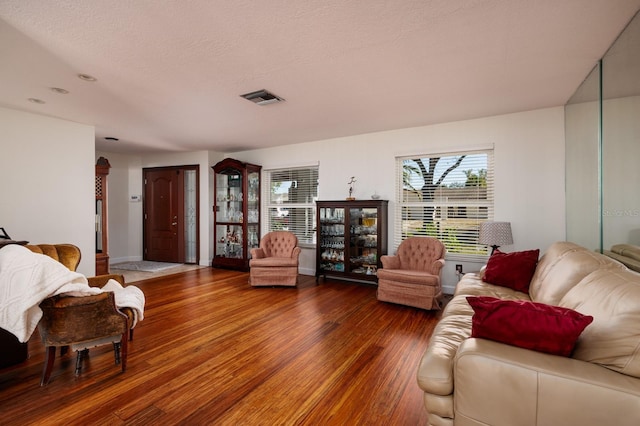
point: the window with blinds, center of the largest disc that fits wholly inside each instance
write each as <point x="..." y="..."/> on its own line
<point x="445" y="196"/>
<point x="291" y="198"/>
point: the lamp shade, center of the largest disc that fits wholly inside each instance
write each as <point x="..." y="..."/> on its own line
<point x="495" y="234"/>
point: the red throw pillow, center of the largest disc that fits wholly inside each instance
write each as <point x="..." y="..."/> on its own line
<point x="513" y="270"/>
<point x="529" y="325"/>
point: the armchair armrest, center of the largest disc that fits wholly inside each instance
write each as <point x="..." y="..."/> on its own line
<point x="436" y="266"/>
<point x="390" y="262"/>
<point x="295" y="254"/>
<point x="258" y="253"/>
<point x="101" y="280"/>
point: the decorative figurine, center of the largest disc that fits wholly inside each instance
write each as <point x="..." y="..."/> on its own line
<point x="351" y="183"/>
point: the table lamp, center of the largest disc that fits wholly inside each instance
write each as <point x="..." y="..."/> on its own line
<point x="495" y="234"/>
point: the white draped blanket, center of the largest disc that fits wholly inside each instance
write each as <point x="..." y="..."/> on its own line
<point x="129" y="297"/>
<point x="27" y="278"/>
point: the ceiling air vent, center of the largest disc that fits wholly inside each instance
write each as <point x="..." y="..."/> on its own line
<point x="262" y="97"/>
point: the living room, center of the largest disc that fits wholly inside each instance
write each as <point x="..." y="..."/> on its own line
<point x="48" y="176"/>
<point x="528" y="146"/>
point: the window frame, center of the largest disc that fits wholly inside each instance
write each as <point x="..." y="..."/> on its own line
<point x="309" y="203"/>
<point x="470" y="249"/>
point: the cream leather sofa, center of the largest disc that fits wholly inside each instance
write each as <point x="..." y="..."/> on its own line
<point x="471" y="381"/>
<point x="627" y="254"/>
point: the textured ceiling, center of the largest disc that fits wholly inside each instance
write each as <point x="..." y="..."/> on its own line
<point x="170" y="72"/>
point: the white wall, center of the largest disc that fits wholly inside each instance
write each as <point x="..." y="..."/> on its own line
<point x="50" y="178"/>
<point x="47" y="182"/>
<point x="47" y="179"/>
<point x="529" y="170"/>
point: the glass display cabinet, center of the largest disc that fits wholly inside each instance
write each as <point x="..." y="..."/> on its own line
<point x="236" y="213"/>
<point x="351" y="237"/>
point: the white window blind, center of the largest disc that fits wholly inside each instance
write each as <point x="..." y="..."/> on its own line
<point x="291" y="198"/>
<point x="445" y="196"/>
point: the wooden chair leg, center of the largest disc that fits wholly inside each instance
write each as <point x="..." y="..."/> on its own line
<point x="116" y="352"/>
<point x="48" y="365"/>
<point x="124" y="347"/>
<point x="79" y="357"/>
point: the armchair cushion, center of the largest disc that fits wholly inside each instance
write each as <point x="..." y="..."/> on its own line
<point x="274" y="261"/>
<point x="409" y="277"/>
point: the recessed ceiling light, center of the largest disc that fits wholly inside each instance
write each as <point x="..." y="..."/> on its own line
<point x="262" y="97"/>
<point x="59" y="90"/>
<point x="36" y="101"/>
<point x="87" y="77"/>
<point x="111" y="138"/>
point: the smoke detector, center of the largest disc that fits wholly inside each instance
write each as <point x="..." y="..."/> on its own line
<point x="262" y="97"/>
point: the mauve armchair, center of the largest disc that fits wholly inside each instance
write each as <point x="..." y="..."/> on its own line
<point x="412" y="276"/>
<point x="275" y="262"/>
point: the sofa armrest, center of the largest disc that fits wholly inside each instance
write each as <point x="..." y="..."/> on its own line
<point x="502" y="384"/>
<point x="390" y="262"/>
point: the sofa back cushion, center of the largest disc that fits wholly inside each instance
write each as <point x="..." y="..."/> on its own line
<point x="562" y="266"/>
<point x="612" y="297"/>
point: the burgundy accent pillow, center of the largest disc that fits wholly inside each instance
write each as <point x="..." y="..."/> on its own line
<point x="529" y="325"/>
<point x="513" y="270"/>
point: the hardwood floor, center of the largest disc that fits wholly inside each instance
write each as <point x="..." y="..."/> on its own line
<point x="214" y="350"/>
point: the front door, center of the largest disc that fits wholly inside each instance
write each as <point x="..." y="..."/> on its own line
<point x="163" y="215"/>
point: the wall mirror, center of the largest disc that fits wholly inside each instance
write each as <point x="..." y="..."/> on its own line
<point x="602" y="137"/>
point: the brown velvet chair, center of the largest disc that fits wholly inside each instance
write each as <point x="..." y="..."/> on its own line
<point x="69" y="255"/>
<point x="412" y="276"/>
<point x="80" y="323"/>
<point x="275" y="262"/>
<point x="83" y="322"/>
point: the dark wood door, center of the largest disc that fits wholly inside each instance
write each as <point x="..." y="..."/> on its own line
<point x="163" y="215"/>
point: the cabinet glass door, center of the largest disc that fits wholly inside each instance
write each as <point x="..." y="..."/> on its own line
<point x="332" y="244"/>
<point x="229" y="214"/>
<point x="253" y="210"/>
<point x="363" y="241"/>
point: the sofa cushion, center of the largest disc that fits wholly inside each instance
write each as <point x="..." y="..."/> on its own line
<point x="526" y="324"/>
<point x="562" y="266"/>
<point x="512" y="270"/>
<point x="613" y="340"/>
<point x="474" y="286"/>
